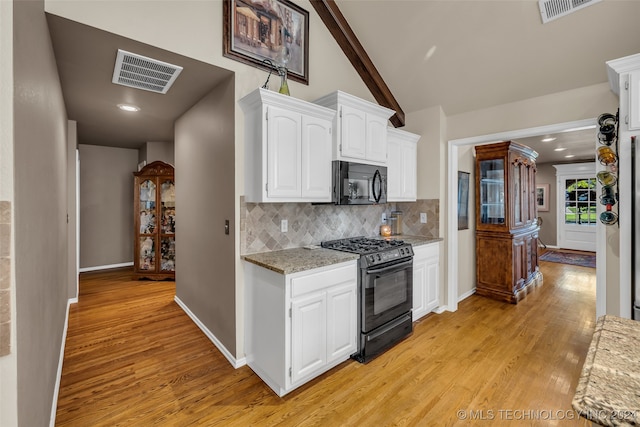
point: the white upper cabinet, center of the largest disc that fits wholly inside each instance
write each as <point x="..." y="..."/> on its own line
<point x="360" y="128"/>
<point x="287" y="149"/>
<point x="634" y="100"/>
<point x="401" y="165"/>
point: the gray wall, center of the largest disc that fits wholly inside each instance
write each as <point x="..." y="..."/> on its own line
<point x="152" y="151"/>
<point x="40" y="185"/>
<point x="106" y="205"/>
<point x="205" y="256"/>
<point x="546" y="174"/>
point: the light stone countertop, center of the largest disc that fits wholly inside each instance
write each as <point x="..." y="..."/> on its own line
<point x="608" y="391"/>
<point x="417" y="240"/>
<point x="288" y="261"/>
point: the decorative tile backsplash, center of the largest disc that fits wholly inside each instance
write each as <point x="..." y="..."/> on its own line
<point x="5" y="278"/>
<point x="310" y="224"/>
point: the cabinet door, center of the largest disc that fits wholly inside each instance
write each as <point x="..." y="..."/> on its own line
<point x="352" y="132"/>
<point x="316" y="158"/>
<point x="491" y="194"/>
<point x="419" y="288"/>
<point x="308" y="335"/>
<point x="341" y="322"/>
<point x="519" y="263"/>
<point x="433" y="278"/>
<point x="376" y="138"/>
<point x="517" y="210"/>
<point x="395" y="171"/>
<point x="283" y="153"/>
<point x="533" y="206"/>
<point x="409" y="159"/>
<point x="634" y="100"/>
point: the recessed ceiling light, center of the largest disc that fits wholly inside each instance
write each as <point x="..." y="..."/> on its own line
<point x="568" y="156"/>
<point x="559" y="149"/>
<point x="128" y="107"/>
<point x="548" y="139"/>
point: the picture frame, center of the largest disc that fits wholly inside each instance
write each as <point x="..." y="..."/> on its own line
<point x="255" y="32"/>
<point x="463" y="200"/>
<point x="542" y="197"/>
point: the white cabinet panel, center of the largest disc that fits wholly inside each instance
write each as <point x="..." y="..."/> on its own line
<point x="284" y="153"/>
<point x="316" y="155"/>
<point x="341" y="322"/>
<point x="401" y="166"/>
<point x="426" y="279"/>
<point x="352" y="132"/>
<point x="376" y="138"/>
<point x="309" y="335"/>
<point x="634" y="100"/>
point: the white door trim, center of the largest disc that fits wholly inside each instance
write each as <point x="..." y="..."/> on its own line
<point x="451" y="196"/>
<point x="564" y="172"/>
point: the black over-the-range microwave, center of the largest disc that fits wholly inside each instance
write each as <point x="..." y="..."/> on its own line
<point x="359" y="183"/>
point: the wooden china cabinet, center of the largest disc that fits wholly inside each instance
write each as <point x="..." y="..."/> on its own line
<point x="154" y="210"/>
<point x="506" y="221"/>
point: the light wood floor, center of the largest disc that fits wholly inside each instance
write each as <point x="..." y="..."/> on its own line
<point x="133" y="358"/>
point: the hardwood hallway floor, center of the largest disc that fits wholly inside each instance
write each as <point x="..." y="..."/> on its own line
<point x="133" y="358"/>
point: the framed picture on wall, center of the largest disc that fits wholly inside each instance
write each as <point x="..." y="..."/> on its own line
<point x="257" y="31"/>
<point x="542" y="197"/>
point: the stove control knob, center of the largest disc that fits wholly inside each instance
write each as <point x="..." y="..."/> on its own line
<point x="379" y="257"/>
<point x="372" y="258"/>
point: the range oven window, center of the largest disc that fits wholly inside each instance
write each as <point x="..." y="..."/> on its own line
<point x="387" y="294"/>
<point x="389" y="291"/>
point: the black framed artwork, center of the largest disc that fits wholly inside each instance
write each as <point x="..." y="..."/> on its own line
<point x="256" y="32"/>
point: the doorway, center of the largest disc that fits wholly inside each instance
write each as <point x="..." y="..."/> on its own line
<point x="576" y="206"/>
<point x="451" y="236"/>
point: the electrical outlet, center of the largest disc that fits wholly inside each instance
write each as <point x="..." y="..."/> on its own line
<point x="423" y="217"/>
<point x="284" y="225"/>
<point x="384" y="218"/>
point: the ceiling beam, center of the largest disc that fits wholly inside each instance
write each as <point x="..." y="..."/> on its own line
<point x="347" y="40"/>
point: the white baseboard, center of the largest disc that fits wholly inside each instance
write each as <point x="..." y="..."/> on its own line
<point x="466" y="294"/>
<point x="105" y="267"/>
<point x="235" y="363"/>
<point x="56" y="389"/>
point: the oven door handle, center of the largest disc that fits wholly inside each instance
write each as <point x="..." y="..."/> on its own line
<point x="393" y="267"/>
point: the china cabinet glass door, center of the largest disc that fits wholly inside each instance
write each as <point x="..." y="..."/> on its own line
<point x="168" y="209"/>
<point x="492" y="194"/>
<point x="146" y="240"/>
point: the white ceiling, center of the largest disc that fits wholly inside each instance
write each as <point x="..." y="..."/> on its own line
<point x="461" y="55"/>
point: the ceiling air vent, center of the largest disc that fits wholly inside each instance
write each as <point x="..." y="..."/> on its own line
<point x="554" y="9"/>
<point x="144" y="73"/>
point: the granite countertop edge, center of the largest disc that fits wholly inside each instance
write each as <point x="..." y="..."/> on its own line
<point x="594" y="399"/>
<point x="295" y="260"/>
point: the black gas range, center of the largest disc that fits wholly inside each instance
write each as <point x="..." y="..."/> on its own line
<point x="385" y="292"/>
<point x="374" y="251"/>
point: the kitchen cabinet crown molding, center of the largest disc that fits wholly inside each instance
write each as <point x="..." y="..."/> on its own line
<point x="333" y="99"/>
<point x="262" y="96"/>
<point x="619" y="66"/>
<point x="403" y="134"/>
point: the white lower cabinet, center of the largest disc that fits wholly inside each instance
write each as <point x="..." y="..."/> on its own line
<point x="299" y="325"/>
<point x="426" y="278"/>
